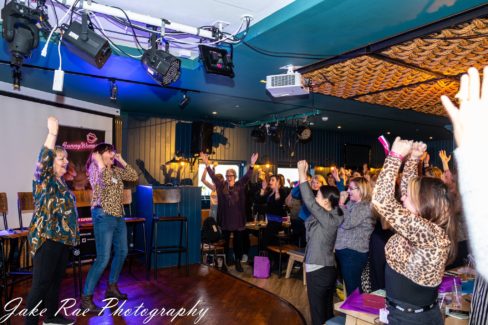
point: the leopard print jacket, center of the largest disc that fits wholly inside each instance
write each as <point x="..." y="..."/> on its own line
<point x="108" y="187"/>
<point x="420" y="248"/>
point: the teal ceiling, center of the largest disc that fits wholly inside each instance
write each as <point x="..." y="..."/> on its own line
<point x="316" y="28"/>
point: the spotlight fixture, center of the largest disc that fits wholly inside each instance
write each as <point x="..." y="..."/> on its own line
<point x="216" y="60"/>
<point x="259" y="134"/>
<point x="87" y="44"/>
<point x="184" y="101"/>
<point x="21" y="33"/>
<point x="304" y="133"/>
<point x="163" y="67"/>
<point x="114" y="90"/>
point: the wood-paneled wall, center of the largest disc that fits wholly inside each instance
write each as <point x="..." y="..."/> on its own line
<point x="153" y="140"/>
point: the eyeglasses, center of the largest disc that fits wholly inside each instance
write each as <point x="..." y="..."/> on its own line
<point x="353" y="188"/>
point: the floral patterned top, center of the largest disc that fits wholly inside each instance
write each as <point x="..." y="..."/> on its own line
<point x="55" y="215"/>
<point x="108" y="187"/>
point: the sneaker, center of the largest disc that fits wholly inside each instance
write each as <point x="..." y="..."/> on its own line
<point x="58" y="320"/>
<point x="244" y="258"/>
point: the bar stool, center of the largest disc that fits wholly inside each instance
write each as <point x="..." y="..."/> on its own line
<point x="130" y="219"/>
<point x="25" y="203"/>
<point x="167" y="196"/>
<point x="4" y="209"/>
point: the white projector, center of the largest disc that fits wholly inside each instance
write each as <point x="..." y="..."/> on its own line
<point x="289" y="84"/>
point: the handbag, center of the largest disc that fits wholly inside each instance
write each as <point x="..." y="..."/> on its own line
<point x="261" y="267"/>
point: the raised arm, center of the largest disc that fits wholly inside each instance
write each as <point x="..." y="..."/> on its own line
<point x="127" y="173"/>
<point x="44" y="167"/>
<point x="470" y="129"/>
<point x="445" y="160"/>
<point x="418" y="230"/>
<point x="204" y="180"/>
<point x="410" y="170"/>
<point x="247" y="177"/>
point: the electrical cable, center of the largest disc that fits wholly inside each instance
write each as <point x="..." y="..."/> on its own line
<point x="59" y="52"/>
<point x="55" y="13"/>
<point x="44" y="50"/>
<point x="131" y="25"/>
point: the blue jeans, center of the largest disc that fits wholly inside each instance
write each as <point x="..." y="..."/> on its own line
<point x="108" y="230"/>
<point x="351" y="264"/>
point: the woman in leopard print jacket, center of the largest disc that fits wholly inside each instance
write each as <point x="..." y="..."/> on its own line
<point x="425" y="230"/>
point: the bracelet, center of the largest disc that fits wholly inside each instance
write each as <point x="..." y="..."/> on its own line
<point x="395" y="155"/>
<point x="53" y="134"/>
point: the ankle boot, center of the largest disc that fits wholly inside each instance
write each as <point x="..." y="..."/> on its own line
<point x="87" y="304"/>
<point x="113" y="292"/>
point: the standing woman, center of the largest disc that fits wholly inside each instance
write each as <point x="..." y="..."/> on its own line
<point x="321" y="229"/>
<point x="53" y="229"/>
<point x="352" y="244"/>
<point x="214" y="201"/>
<point x="425" y="227"/>
<point x="109" y="226"/>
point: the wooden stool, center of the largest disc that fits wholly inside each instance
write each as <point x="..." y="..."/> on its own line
<point x="280" y="250"/>
<point x="296" y="256"/>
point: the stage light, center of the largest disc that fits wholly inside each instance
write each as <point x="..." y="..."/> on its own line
<point x="22" y="35"/>
<point x="161" y="66"/>
<point x="87" y="44"/>
<point x="259" y="135"/>
<point x="304" y="133"/>
<point x="114" y="90"/>
<point x="216" y="61"/>
<point x="184" y="101"/>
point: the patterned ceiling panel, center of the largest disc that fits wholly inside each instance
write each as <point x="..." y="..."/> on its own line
<point x="423" y="98"/>
<point x="451" y="51"/>
<point x="409" y="75"/>
<point x="363" y="75"/>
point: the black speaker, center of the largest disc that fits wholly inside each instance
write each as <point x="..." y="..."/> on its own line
<point x="201" y="138"/>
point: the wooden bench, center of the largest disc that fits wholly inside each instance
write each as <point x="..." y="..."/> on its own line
<point x="295" y="256"/>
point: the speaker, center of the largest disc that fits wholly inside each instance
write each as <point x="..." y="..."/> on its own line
<point x="201" y="138"/>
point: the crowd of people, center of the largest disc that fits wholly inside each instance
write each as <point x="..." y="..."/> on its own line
<point x="398" y="228"/>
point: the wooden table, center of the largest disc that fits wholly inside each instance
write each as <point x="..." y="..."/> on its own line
<point x="355" y="317"/>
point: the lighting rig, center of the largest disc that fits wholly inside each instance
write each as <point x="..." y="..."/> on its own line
<point x="88" y="38"/>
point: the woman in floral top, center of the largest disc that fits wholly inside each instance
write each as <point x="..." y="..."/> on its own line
<point x="106" y="180"/>
<point x="53" y="229"/>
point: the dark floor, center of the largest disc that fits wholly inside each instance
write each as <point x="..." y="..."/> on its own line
<point x="216" y="298"/>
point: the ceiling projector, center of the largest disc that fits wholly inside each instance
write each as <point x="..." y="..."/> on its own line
<point x="288" y="84"/>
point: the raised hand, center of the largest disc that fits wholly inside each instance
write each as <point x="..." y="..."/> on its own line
<point x="302" y="166"/>
<point x="444" y="157"/>
<point x="204" y="158"/>
<point x="335" y="173"/>
<point x="343" y="197"/>
<point x="121" y="160"/>
<point x="418" y="149"/>
<point x="470" y="118"/>
<point x="402" y="147"/>
<point x="254" y="158"/>
<point x="52" y="125"/>
<point x="264" y="184"/>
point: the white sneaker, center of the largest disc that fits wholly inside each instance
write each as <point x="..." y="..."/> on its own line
<point x="244" y="258"/>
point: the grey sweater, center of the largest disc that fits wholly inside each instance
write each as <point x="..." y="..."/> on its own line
<point x="355" y="231"/>
<point x="321" y="229"/>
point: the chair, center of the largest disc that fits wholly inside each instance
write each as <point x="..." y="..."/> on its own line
<point x="25" y="203"/>
<point x="4" y="209"/>
<point x="296" y="256"/>
<point x="282" y="248"/>
<point x="127" y="202"/>
<point x="167" y="196"/>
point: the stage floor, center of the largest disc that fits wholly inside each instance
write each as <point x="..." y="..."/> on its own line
<point x="206" y="296"/>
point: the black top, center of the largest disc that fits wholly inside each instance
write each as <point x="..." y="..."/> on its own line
<point x="402" y="288"/>
<point x="274" y="206"/>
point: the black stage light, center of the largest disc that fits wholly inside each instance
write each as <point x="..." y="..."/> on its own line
<point x="87" y="44"/>
<point x="21" y="33"/>
<point x="216" y="61"/>
<point x="304" y="133"/>
<point x="114" y="90"/>
<point x="161" y="66"/>
<point x="184" y="101"/>
<point x="259" y="134"/>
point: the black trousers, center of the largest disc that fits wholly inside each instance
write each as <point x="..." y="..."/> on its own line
<point x="238" y="242"/>
<point x="320" y="291"/>
<point x="49" y="266"/>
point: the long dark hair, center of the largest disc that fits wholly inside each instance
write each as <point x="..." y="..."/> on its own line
<point x="332" y="194"/>
<point x="437" y="204"/>
<point x="100" y="148"/>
